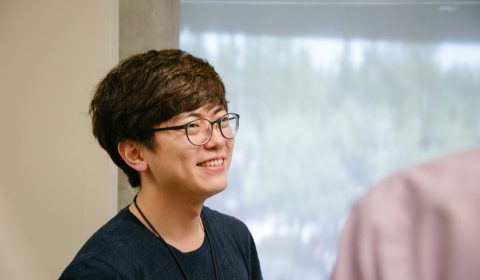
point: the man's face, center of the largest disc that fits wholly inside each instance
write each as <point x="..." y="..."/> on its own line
<point x="180" y="168"/>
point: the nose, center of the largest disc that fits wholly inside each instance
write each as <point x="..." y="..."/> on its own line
<point x="217" y="138"/>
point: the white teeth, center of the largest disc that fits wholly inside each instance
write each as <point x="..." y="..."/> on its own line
<point x="212" y="163"/>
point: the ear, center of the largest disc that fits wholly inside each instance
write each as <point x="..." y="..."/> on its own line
<point x="131" y="152"/>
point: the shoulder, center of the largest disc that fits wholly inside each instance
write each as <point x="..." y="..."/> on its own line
<point x="218" y="219"/>
<point x="236" y="243"/>
<point x="117" y="236"/>
<point x="435" y="194"/>
<point x="430" y="185"/>
<point x="115" y="249"/>
<point x="89" y="267"/>
<point x="227" y="228"/>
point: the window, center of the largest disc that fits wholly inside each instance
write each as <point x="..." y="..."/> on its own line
<point x="333" y="97"/>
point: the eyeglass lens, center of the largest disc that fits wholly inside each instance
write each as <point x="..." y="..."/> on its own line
<point x="200" y="131"/>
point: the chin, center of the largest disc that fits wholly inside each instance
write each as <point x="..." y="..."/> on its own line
<point x="214" y="189"/>
<point x="219" y="187"/>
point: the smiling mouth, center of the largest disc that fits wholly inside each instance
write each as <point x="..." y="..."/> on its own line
<point x="212" y="163"/>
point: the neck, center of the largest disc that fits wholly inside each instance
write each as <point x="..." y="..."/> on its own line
<point x="177" y="222"/>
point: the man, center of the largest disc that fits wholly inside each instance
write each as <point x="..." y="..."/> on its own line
<point x="421" y="223"/>
<point x="163" y="118"/>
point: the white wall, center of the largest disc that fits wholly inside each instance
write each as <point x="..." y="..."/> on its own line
<point x="56" y="185"/>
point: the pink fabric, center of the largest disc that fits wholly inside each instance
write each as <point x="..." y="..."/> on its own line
<point x="422" y="223"/>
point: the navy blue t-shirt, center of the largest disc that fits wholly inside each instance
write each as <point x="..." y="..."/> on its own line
<point x="125" y="249"/>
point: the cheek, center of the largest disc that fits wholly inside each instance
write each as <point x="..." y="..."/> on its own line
<point x="230" y="145"/>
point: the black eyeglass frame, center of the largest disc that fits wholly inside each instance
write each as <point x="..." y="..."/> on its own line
<point x="218" y="121"/>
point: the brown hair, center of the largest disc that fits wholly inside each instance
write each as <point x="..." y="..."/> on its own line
<point x="145" y="90"/>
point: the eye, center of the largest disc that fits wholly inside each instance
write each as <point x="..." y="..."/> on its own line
<point x="194" y="124"/>
<point x="198" y="126"/>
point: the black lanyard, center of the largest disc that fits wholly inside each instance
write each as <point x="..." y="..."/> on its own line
<point x="177" y="261"/>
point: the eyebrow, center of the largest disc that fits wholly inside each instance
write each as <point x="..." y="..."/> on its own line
<point x="219" y="108"/>
<point x="198" y="115"/>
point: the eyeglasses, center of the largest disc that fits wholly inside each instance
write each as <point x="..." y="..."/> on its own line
<point x="200" y="131"/>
